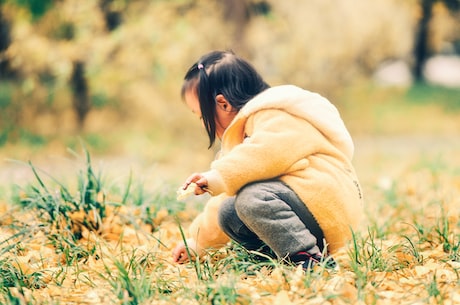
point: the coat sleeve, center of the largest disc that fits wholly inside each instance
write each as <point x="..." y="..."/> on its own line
<point x="205" y="229"/>
<point x="278" y="143"/>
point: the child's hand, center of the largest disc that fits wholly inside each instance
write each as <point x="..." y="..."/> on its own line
<point x="180" y="253"/>
<point x="201" y="183"/>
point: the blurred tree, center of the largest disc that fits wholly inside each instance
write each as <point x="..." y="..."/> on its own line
<point x="238" y="13"/>
<point x="421" y="48"/>
<point x="80" y="91"/>
<point x="36" y="7"/>
<point x="112" y="16"/>
<point x="5" y="40"/>
<point x="51" y="30"/>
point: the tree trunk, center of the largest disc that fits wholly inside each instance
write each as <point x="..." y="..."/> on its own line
<point x="112" y="17"/>
<point x="237" y="13"/>
<point x="421" y="50"/>
<point x="5" y="40"/>
<point x="80" y="91"/>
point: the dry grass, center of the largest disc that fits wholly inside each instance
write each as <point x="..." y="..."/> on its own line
<point x="408" y="252"/>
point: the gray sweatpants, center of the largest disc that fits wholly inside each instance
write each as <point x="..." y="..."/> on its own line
<point x="269" y="213"/>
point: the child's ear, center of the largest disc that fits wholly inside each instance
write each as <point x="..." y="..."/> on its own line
<point x="223" y="104"/>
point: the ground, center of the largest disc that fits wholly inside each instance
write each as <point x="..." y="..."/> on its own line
<point x="407" y="251"/>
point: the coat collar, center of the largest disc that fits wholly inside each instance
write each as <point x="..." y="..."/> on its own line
<point x="312" y="107"/>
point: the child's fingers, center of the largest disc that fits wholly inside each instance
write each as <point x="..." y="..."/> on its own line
<point x="179" y="255"/>
<point x="196" y="184"/>
<point x="181" y="258"/>
<point x="193" y="178"/>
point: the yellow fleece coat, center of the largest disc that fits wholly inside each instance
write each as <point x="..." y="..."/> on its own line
<point x="297" y="136"/>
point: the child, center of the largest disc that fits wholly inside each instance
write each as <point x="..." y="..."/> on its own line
<point x="283" y="181"/>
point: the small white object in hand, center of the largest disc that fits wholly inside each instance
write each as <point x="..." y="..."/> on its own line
<point x="183" y="194"/>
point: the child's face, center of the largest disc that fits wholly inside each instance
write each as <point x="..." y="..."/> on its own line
<point x="191" y="100"/>
<point x="224" y="112"/>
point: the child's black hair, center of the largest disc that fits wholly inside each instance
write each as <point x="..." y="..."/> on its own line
<point x="221" y="72"/>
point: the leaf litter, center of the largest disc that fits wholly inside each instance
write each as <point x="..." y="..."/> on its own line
<point x="407" y="253"/>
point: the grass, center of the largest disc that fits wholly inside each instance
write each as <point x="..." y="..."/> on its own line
<point x="45" y="257"/>
<point x="421" y="109"/>
<point x="66" y="212"/>
<point x="132" y="283"/>
<point x="422" y="94"/>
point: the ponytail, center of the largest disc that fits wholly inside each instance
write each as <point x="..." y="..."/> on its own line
<point x="221" y="72"/>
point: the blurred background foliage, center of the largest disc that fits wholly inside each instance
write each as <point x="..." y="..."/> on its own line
<point x="110" y="71"/>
